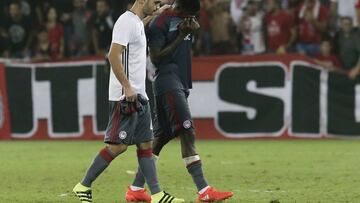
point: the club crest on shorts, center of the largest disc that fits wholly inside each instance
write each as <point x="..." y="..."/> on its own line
<point x="122" y="135"/>
<point x="187" y="124"/>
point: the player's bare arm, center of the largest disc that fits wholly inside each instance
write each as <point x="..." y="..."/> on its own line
<point x="186" y="27"/>
<point x="157" y="12"/>
<point x="115" y="60"/>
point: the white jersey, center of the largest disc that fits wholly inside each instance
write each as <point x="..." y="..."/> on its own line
<point x="129" y="32"/>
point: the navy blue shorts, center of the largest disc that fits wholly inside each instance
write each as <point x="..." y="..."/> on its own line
<point x="172" y="114"/>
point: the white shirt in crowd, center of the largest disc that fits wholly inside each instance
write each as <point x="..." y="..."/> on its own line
<point x="129" y="32"/>
<point x="346" y="8"/>
<point x="253" y="38"/>
<point x="236" y="10"/>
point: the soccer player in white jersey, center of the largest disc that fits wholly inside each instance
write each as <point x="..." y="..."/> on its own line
<point x="129" y="115"/>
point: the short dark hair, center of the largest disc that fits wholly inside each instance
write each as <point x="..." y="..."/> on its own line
<point x="41" y="29"/>
<point x="191" y="6"/>
<point x="347" y="18"/>
<point x="104" y="1"/>
<point x="327" y="38"/>
<point x="278" y="3"/>
<point x="17" y="3"/>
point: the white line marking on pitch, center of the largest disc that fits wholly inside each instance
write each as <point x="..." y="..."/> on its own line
<point x="63" y="195"/>
<point x="267" y="191"/>
<point x="130" y="172"/>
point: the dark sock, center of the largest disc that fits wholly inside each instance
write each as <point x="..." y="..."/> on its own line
<point x="139" y="180"/>
<point x="195" y="170"/>
<point x="148" y="169"/>
<point x="100" y="163"/>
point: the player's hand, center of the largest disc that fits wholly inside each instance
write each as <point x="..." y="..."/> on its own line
<point x="161" y="9"/>
<point x="184" y="27"/>
<point x="188" y="26"/>
<point x="130" y="94"/>
<point x="194" y="24"/>
<point x="354" y="73"/>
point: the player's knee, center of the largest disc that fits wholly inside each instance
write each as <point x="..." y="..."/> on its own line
<point x="186" y="135"/>
<point x="188" y="150"/>
<point x="117" y="149"/>
<point x="187" y="144"/>
<point x="145" y="145"/>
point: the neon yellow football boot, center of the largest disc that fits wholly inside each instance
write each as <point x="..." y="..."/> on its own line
<point x="83" y="193"/>
<point x="164" y="197"/>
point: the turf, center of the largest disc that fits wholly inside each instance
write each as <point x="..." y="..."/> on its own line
<point x="326" y="171"/>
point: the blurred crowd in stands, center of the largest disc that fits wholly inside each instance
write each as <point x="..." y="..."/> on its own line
<point x="326" y="30"/>
<point x="56" y="29"/>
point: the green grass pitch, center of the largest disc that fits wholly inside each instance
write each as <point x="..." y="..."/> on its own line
<point x="301" y="171"/>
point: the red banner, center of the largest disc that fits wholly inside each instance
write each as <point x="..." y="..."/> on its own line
<point x="4" y="112"/>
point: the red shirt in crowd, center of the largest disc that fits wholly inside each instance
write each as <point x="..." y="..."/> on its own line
<point x="204" y="20"/>
<point x="205" y="15"/>
<point x="357" y="5"/>
<point x="331" y="59"/>
<point x="307" y="32"/>
<point x="55" y="34"/>
<point x="278" y="28"/>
